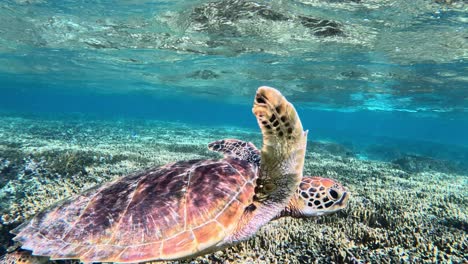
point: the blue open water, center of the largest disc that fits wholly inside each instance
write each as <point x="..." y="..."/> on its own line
<point x="359" y="71"/>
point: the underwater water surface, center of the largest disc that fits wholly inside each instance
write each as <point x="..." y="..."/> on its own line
<point x="90" y="90"/>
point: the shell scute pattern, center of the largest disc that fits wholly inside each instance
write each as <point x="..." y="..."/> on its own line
<point x="209" y="234"/>
<point x="192" y="207"/>
<point x="205" y="194"/>
<point x="146" y="251"/>
<point x="99" y="214"/>
<point x="180" y="245"/>
<point x="167" y="212"/>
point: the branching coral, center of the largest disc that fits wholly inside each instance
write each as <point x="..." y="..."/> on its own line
<point x="393" y="215"/>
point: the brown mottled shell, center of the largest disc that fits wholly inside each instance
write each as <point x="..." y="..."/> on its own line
<point x="165" y="213"/>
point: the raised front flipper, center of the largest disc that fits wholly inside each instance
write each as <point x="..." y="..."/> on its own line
<point x="282" y="160"/>
<point x="284" y="146"/>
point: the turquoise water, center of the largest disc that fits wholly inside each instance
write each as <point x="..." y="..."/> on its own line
<point x="392" y="69"/>
<point x="437" y="135"/>
<point x="385" y="79"/>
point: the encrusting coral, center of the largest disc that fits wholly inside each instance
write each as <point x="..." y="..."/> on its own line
<point x="393" y="215"/>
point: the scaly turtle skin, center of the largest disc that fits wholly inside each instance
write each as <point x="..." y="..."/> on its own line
<point x="189" y="208"/>
<point x="315" y="196"/>
<point x="22" y="257"/>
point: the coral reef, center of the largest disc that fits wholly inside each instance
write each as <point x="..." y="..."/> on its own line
<point x="410" y="153"/>
<point x="331" y="148"/>
<point x="397" y="212"/>
<point x="416" y="163"/>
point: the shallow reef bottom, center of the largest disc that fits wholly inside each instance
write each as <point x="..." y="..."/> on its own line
<point x="395" y="214"/>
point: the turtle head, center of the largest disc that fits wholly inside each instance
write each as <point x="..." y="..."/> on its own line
<point x="317" y="196"/>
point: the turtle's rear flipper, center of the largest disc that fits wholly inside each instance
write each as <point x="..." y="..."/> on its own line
<point x="22" y="257"/>
<point x="234" y="148"/>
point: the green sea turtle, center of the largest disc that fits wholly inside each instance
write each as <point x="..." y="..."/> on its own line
<point x="189" y="208"/>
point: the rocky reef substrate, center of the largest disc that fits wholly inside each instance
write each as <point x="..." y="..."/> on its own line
<point x="411" y="210"/>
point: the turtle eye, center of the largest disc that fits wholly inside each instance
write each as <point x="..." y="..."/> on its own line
<point x="333" y="194"/>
